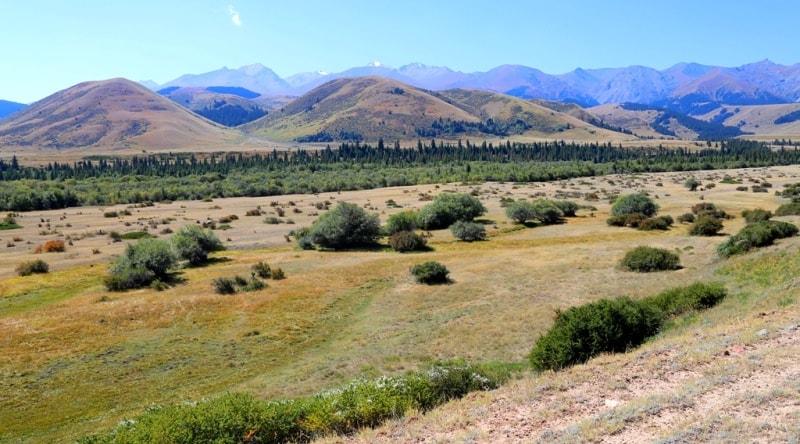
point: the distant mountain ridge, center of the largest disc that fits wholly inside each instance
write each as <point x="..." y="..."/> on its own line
<point x="8" y="108"/>
<point x="690" y="88"/>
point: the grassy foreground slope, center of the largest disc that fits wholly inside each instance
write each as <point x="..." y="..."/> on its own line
<point x="75" y="359"/>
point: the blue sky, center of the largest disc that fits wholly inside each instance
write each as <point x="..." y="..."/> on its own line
<point x="49" y="45"/>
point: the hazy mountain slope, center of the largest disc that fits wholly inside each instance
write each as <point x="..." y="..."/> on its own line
<point x="225" y="109"/>
<point x="7" y="108"/>
<point x="782" y="120"/>
<point x="108" y="113"/>
<point x="254" y="77"/>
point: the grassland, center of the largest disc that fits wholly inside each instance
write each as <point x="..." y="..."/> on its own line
<point x="75" y="359"/>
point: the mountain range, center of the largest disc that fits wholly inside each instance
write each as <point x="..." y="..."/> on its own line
<point x="689" y="88"/>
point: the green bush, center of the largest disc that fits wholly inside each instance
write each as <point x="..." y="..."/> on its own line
<point x="654" y="223"/>
<point x="520" y="211"/>
<point x="788" y="209"/>
<point x="686" y="218"/>
<point x="634" y="204"/>
<point x="223" y="285"/>
<point x="567" y="207"/>
<point x="756" y="215"/>
<point x="605" y="326"/>
<point x="135" y="235"/>
<point x="680" y="300"/>
<point x="468" y="231"/>
<point x="402" y="221"/>
<point x="647" y="259"/>
<point x="755" y="235"/>
<point x="343" y="410"/>
<point x="448" y="208"/>
<point x="707" y="208"/>
<point x="404" y="241"/>
<point x="430" y="273"/>
<point x="142" y="262"/>
<point x="194" y="244"/>
<point x="28" y="268"/>
<point x="706" y="225"/>
<point x="345" y="226"/>
<point x="9" y="222"/>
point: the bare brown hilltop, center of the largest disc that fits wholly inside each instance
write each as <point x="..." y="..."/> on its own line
<point x="116" y="113"/>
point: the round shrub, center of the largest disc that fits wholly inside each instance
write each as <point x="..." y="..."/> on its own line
<point x="468" y="231"/>
<point x="402" y="221"/>
<point x="142" y="262"/>
<point x="686" y="218"/>
<point x="448" y="208"/>
<point x="346" y="226"/>
<point x="194" y="243"/>
<point x="28" y="268"/>
<point x="567" y="207"/>
<point x="520" y="211"/>
<point x="654" y="223"/>
<point x="404" y="241"/>
<point x="430" y="273"/>
<point x="638" y="203"/>
<point x="647" y="259"/>
<point x="755" y="235"/>
<point x="705" y="225"/>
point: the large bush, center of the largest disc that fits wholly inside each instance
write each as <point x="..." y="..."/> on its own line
<point x="468" y="231"/>
<point x="345" y="226"/>
<point x="430" y="273"/>
<point x="448" y="208"/>
<point x="543" y="210"/>
<point x="141" y="264"/>
<point x="755" y="235"/>
<point x="402" y="221"/>
<point x="647" y="259"/>
<point x="638" y="203"/>
<point x="616" y="325"/>
<point x="520" y="211"/>
<point x="756" y="215"/>
<point x="580" y="333"/>
<point x="194" y="244"/>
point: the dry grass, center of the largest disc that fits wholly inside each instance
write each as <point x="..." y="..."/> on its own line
<point x="76" y="359"/>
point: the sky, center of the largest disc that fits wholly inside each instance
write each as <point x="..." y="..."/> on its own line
<point x="49" y="45"/>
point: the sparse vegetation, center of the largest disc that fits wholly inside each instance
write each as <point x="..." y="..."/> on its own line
<point x="756" y="235"/>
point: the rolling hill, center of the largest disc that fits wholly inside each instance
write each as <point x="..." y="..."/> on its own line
<point x="369" y="108"/>
<point x="109" y="113"/>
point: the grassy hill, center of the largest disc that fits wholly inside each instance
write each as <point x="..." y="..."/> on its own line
<point x="111" y="113"/>
<point x="369" y="108"/>
<point x="78" y="359"/>
<point x="764" y="121"/>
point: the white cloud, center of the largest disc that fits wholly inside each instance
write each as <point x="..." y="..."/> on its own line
<point x="235" y="17"/>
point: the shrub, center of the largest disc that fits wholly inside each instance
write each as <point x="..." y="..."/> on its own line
<point x="28" y="268"/>
<point x="547" y="212"/>
<point x="110" y="214"/>
<point x="9" y="222"/>
<point x="634" y="204"/>
<point x="583" y="332"/>
<point x="520" y="211"/>
<point x="755" y="235"/>
<point x="654" y="223"/>
<point x="692" y="184"/>
<point x="345" y="226"/>
<point x="404" y="241"/>
<point x="709" y="209"/>
<point x="567" y="207"/>
<point x="647" y="259"/>
<point x="402" y="221"/>
<point x="142" y="262"/>
<point x="686" y="218"/>
<point x="706" y="225"/>
<point x="53" y="246"/>
<point x="680" y="300"/>
<point x="756" y="215"/>
<point x="468" y="231"/>
<point x="430" y="273"/>
<point x="253" y="212"/>
<point x="262" y="270"/>
<point x="194" y="244"/>
<point x="223" y="285"/>
<point x="272" y="220"/>
<point x="278" y="274"/>
<point x="448" y="208"/>
<point x="789" y="209"/>
<point x="133" y="235"/>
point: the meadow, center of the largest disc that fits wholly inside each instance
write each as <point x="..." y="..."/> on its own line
<point x="76" y="359"/>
